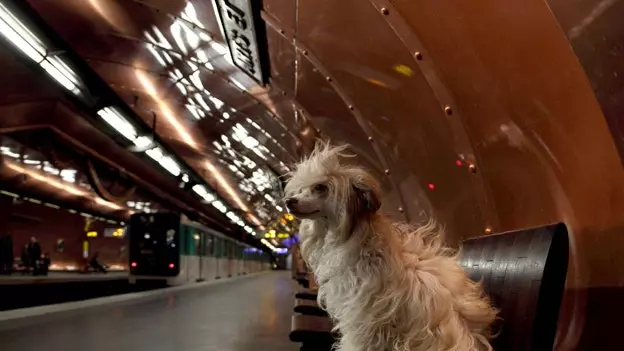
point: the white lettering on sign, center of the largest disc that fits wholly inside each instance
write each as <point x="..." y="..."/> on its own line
<point x="239" y="30"/>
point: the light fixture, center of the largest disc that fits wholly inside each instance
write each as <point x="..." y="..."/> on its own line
<point x="44" y="179"/>
<point x="29" y="44"/>
<point x="219" y="206"/>
<point x="268" y="244"/>
<point x="203" y="193"/>
<point x="114" y="118"/>
<point x="165" y="161"/>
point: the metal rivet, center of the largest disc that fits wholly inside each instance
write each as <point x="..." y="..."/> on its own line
<point x="384" y="11"/>
<point x="281" y="31"/>
<point x="448" y="110"/>
<point x="284" y="93"/>
<point x="401" y="209"/>
<point x="370" y="138"/>
<point x="488" y="230"/>
<point x="418" y="55"/>
<point x="328" y="79"/>
<point x="472" y="168"/>
<point x="351" y="107"/>
<point x="305" y="52"/>
<point x="387" y="171"/>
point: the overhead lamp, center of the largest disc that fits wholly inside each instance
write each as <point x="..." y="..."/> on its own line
<point x="219" y="206"/>
<point x="44" y="179"/>
<point x="28" y="43"/>
<point x="114" y="118"/>
<point x="268" y="244"/>
<point x="203" y="193"/>
<point x="233" y="216"/>
<point x="165" y="161"/>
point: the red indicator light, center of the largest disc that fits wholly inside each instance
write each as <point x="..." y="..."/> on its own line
<point x="431" y="186"/>
<point x="133" y="264"/>
<point x="171" y="265"/>
<point x="458" y="163"/>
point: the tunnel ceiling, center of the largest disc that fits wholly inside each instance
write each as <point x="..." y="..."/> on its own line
<point x="173" y="93"/>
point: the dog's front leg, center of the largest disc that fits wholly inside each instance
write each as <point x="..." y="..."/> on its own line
<point x="346" y="344"/>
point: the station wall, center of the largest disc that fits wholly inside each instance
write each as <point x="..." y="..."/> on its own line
<point x="23" y="219"/>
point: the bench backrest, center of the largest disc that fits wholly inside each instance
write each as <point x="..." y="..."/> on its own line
<point x="524" y="273"/>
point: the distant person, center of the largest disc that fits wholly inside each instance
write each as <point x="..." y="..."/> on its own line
<point x="96" y="265"/>
<point x="6" y="254"/>
<point x="25" y="260"/>
<point x="34" y="253"/>
<point x="45" y="263"/>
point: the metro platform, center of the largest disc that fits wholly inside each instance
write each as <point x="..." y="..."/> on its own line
<point x="59" y="277"/>
<point x="239" y="314"/>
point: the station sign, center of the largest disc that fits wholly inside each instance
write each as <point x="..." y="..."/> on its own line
<point x="242" y="27"/>
<point x="114" y="232"/>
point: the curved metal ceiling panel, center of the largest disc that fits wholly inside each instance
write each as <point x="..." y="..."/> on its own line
<point x="171" y="69"/>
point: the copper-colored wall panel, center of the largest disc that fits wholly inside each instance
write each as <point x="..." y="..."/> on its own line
<point x="333" y="117"/>
<point x="521" y="112"/>
<point x="26" y="219"/>
<point x="283" y="59"/>
<point x="284" y="10"/>
<point x="594" y="28"/>
<point x="401" y="111"/>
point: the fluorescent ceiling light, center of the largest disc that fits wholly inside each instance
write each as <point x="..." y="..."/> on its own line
<point x="118" y="122"/>
<point x="203" y="193"/>
<point x="17" y="33"/>
<point x="219" y="206"/>
<point x="268" y="244"/>
<point x="165" y="161"/>
<point x="25" y="41"/>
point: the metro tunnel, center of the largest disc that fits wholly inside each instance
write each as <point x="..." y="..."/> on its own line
<point x="145" y="146"/>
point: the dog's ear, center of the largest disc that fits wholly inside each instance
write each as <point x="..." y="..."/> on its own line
<point x="368" y="199"/>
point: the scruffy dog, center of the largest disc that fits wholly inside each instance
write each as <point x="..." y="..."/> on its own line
<point x="387" y="286"/>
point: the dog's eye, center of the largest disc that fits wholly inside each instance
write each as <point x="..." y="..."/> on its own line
<point x="321" y="188"/>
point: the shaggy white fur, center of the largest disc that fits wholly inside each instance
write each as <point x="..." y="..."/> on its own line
<point x="387" y="286"/>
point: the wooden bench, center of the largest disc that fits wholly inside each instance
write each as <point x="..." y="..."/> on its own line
<point x="313" y="332"/>
<point x="309" y="307"/>
<point x="302" y="279"/>
<point x="306" y="294"/>
<point x="524" y="272"/>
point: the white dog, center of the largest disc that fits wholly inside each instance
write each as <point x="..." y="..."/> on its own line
<point x="386" y="286"/>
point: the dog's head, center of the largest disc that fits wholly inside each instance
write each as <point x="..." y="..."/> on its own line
<point x="321" y="187"/>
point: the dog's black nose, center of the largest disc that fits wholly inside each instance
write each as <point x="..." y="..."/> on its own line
<point x="290" y="202"/>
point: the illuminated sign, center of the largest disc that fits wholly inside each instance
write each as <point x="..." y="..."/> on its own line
<point x="241" y="30"/>
<point x="114" y="232"/>
<point x="92" y="234"/>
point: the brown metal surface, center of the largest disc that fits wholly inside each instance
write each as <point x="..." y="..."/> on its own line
<point x="594" y="29"/>
<point x="539" y="149"/>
